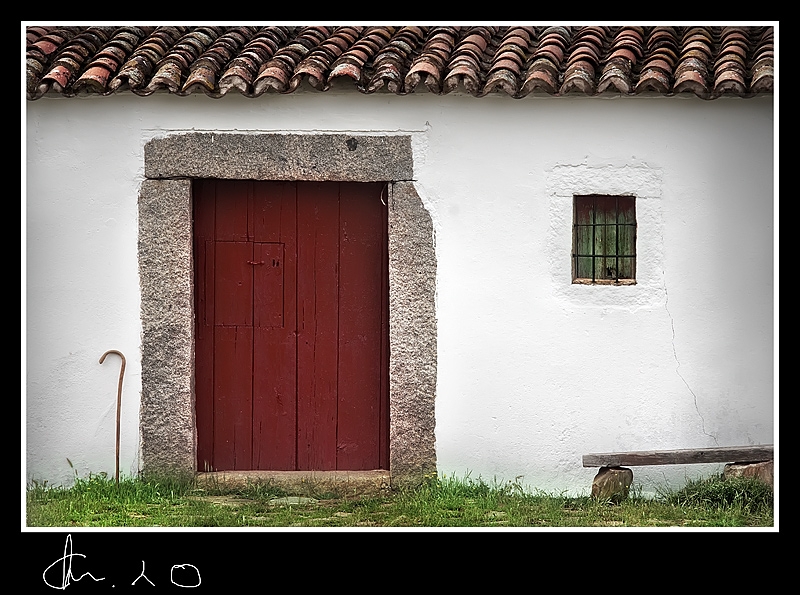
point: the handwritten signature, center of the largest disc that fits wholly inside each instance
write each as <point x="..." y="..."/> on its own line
<point x="67" y="577"/>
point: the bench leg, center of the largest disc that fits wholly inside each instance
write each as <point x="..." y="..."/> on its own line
<point x="612" y="483"/>
<point x="765" y="471"/>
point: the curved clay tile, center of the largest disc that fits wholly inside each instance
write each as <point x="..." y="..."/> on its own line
<point x="658" y="61"/>
<point x="510" y="52"/>
<point x="96" y="76"/>
<point x="464" y="74"/>
<point x="615" y="80"/>
<point x="202" y="77"/>
<point x="578" y="78"/>
<point x="738" y="35"/>
<point x="469" y="49"/>
<point x="390" y="65"/>
<point x="427" y="69"/>
<point x="272" y="78"/>
<point x="628" y="42"/>
<point x="732" y="49"/>
<point x="691" y="80"/>
<point x="663" y="40"/>
<point x="466" y="62"/>
<point x="346" y="69"/>
<point x="389" y="74"/>
<point x="542" y="76"/>
<point x="730" y="70"/>
<point x="540" y="81"/>
<point x="432" y="59"/>
<point x="72" y="57"/>
<point x="516" y="47"/>
<point x="730" y="60"/>
<point x="729" y="81"/>
<point x="634" y="33"/>
<point x="242" y="70"/>
<point x="238" y="76"/>
<point x="317" y="64"/>
<point x="136" y="71"/>
<point x="518" y="36"/>
<point x="590" y="41"/>
<point x="583" y="60"/>
<point x="314" y="71"/>
<point x="476" y="39"/>
<point x="624" y="53"/>
<point x="560" y="36"/>
<point x="110" y="59"/>
<point x="33" y="34"/>
<point x="584" y="53"/>
<point x="463" y="69"/>
<point x="517" y="61"/>
<point x="765" y="45"/>
<point x="167" y="76"/>
<point x="277" y="73"/>
<point x="763" y="76"/>
<point x="43" y="43"/>
<point x="207" y="68"/>
<point x="616" y="76"/>
<point x="501" y="80"/>
<point x="693" y="69"/>
<point x="512" y="62"/>
<point x="552" y="52"/>
<point x="653" y="80"/>
<point x="546" y="62"/>
<point x="698" y="47"/>
<point x="352" y="60"/>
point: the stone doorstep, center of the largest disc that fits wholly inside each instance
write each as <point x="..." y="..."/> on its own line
<point x="360" y="483"/>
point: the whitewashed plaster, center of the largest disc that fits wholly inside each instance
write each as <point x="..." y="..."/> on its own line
<point x="533" y="372"/>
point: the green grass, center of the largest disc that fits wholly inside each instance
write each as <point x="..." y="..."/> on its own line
<point x="445" y="502"/>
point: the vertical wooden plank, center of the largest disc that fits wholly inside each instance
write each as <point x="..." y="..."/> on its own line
<point x="275" y="341"/>
<point x="204" y="197"/>
<point x="233" y="283"/>
<point x="384" y="421"/>
<point x="233" y="333"/>
<point x="605" y="246"/>
<point x="317" y="302"/>
<point x="268" y="279"/>
<point x="232" y="210"/>
<point x="269" y="201"/>
<point x="360" y="318"/>
<point x="232" y="314"/>
<point x="627" y="237"/>
<point x="233" y="415"/>
<point x="584" y="242"/>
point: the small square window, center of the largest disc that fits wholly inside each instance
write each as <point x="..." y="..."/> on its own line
<point x="604" y="240"/>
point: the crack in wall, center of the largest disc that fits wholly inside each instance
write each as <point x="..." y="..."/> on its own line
<point x="678" y="366"/>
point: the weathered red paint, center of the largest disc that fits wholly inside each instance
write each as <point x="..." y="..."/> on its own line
<point x="292" y="325"/>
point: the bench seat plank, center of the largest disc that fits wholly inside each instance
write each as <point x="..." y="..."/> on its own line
<point x="723" y="454"/>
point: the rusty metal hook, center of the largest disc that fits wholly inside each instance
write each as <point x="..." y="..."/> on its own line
<point x="119" y="403"/>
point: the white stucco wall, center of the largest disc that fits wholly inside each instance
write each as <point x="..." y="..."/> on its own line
<point x="533" y="372"/>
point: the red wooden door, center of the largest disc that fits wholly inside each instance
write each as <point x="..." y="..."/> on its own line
<point x="291" y="283"/>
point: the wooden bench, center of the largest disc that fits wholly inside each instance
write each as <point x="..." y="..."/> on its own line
<point x="613" y="480"/>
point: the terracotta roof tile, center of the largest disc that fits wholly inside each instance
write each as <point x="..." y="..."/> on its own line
<point x="241" y="71"/>
<point x="516" y="61"/>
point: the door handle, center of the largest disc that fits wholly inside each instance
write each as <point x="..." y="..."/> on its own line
<point x="255" y="262"/>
